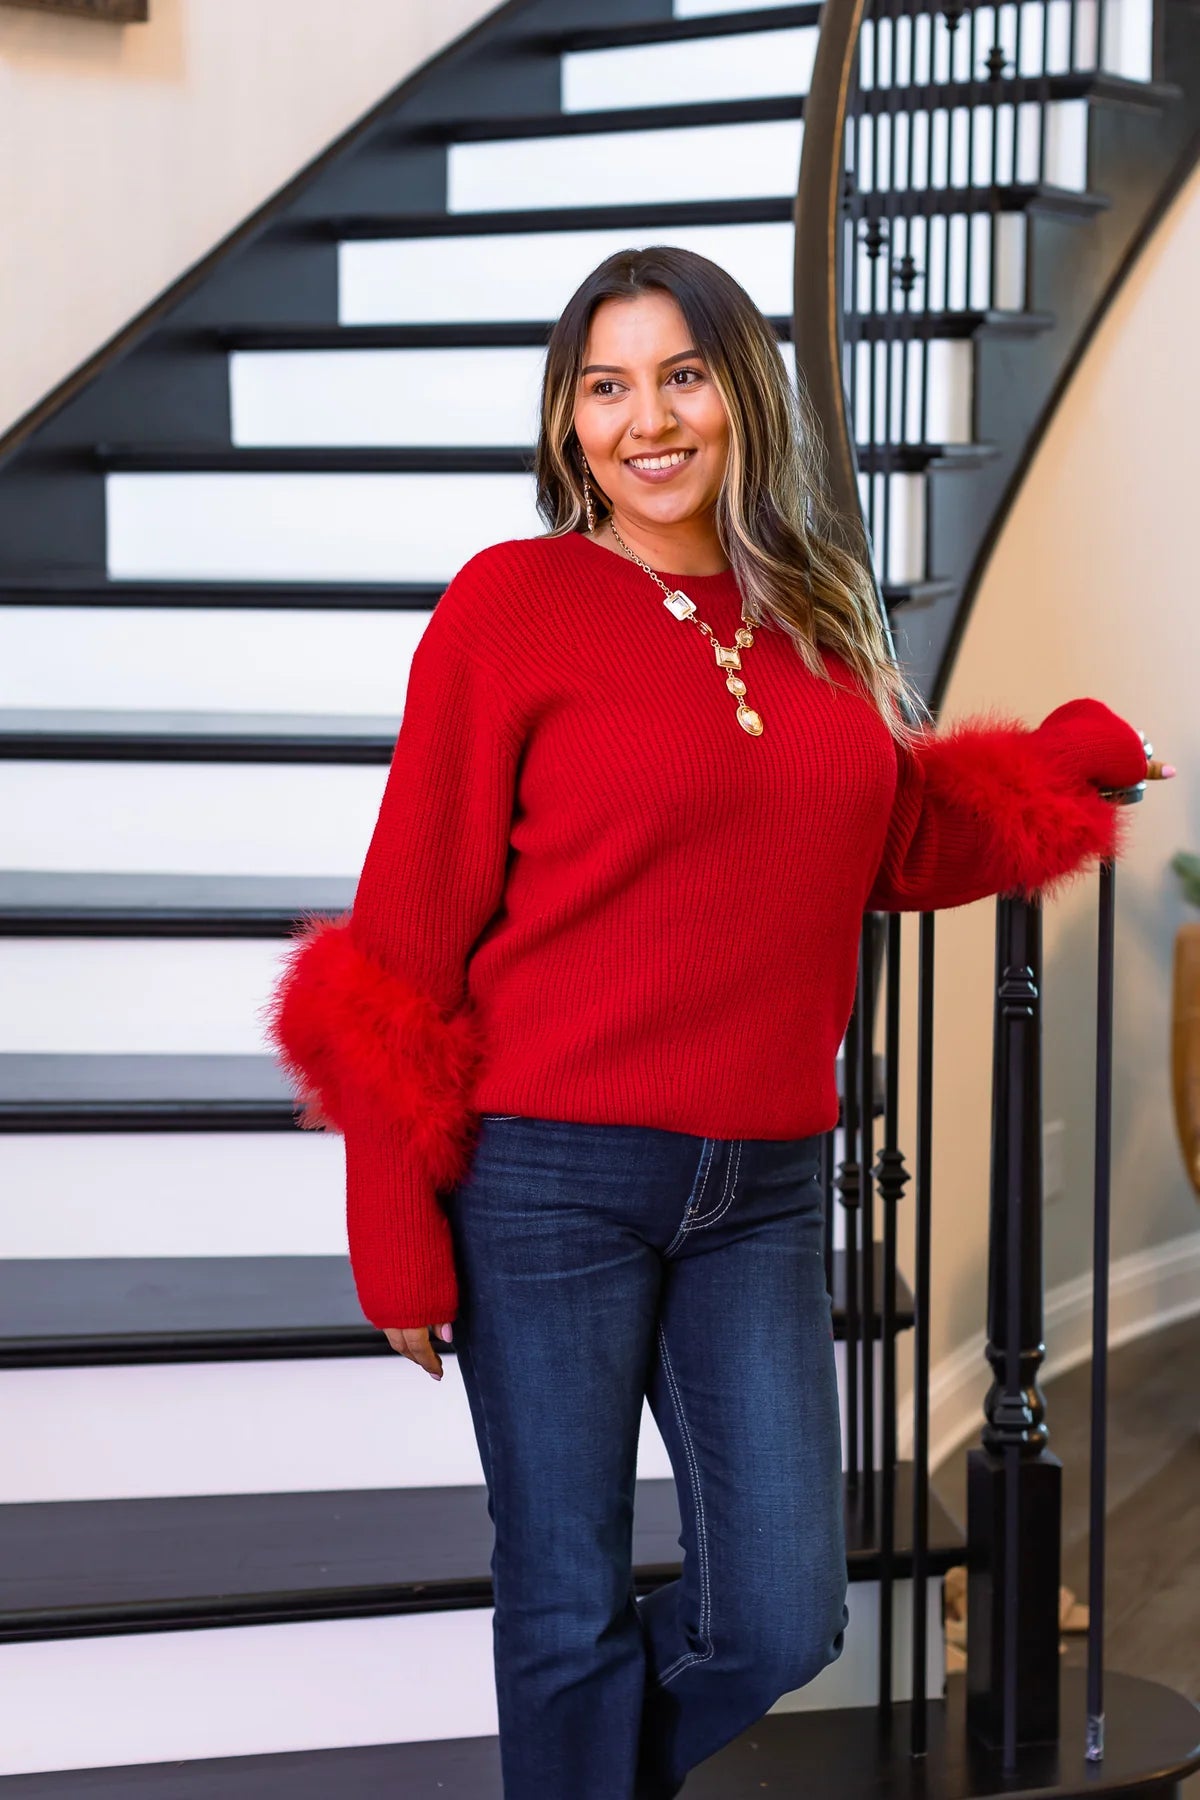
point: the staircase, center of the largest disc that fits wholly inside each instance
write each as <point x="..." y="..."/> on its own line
<point x="219" y="543"/>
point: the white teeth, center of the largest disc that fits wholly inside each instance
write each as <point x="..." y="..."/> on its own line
<point x="660" y="462"/>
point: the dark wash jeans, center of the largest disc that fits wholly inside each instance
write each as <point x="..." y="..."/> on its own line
<point x="598" y="1264"/>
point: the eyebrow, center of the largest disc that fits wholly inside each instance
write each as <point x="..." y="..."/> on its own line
<point x="616" y="369"/>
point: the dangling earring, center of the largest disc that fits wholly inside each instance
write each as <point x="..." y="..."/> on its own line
<point x="587" y="497"/>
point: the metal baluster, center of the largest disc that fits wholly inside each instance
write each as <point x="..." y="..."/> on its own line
<point x="1101" y="1214"/>
<point x="892" y="1181"/>
<point x="827" y="1201"/>
<point x="867" y="1207"/>
<point x="1100" y="1250"/>
<point x="920" y="1521"/>
<point x="848" y="1189"/>
<point x="1042" y="101"/>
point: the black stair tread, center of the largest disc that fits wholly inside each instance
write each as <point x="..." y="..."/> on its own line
<point x="34" y="588"/>
<point x="918" y="593"/>
<point x="484" y="459"/>
<point x="1022" y="196"/>
<point x="506" y="334"/>
<point x="1150" y="1732"/>
<point x="662" y="214"/>
<point x="62" y="1092"/>
<point x="1075" y="84"/>
<point x="47" y="1091"/>
<point x="127" y="734"/>
<point x="134" y="903"/>
<point x="69" y="587"/>
<point x="40" y="902"/>
<point x="60" y="1311"/>
<point x="651" y="116"/>
<point x="190" y="1560"/>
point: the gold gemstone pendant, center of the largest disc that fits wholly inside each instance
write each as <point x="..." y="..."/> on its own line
<point x="749" y="720"/>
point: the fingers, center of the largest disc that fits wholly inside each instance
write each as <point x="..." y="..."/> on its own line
<point x="413" y="1341"/>
<point x="1159" y="771"/>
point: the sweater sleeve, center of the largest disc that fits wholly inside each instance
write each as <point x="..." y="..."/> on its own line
<point x="370" y="1016"/>
<point x="988" y="806"/>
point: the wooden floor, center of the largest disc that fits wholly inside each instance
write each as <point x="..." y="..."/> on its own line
<point x="1152" y="1619"/>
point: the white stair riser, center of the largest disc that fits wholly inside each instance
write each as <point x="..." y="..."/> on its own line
<point x="921" y="47"/>
<point x="905" y="495"/>
<point x="427" y="397"/>
<point x="736" y="66"/>
<point x="136" y="996"/>
<point x="218" y="659"/>
<point x="909" y="49"/>
<point x="120" y="1431"/>
<point x="332" y="1683"/>
<point x="888" y="405"/>
<point x="166" y="1193"/>
<point x="688" y="162"/>
<point x="455" y="397"/>
<point x="532" y="274"/>
<point x="318" y="527"/>
<point x="1045" y="38"/>
<point x="938" y="246"/>
<point x="233" y="1193"/>
<point x="202" y="525"/>
<point x="758" y="158"/>
<point x="199" y="818"/>
<point x="955" y="149"/>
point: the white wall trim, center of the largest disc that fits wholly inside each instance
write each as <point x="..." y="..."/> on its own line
<point x="1147" y="1291"/>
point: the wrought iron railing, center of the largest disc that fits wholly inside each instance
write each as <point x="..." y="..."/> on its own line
<point x="900" y="223"/>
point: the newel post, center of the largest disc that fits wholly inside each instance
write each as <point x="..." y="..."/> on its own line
<point x="1014" y="1485"/>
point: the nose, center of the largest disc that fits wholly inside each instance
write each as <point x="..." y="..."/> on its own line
<point x="652" y="415"/>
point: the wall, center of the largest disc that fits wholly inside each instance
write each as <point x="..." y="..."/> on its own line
<point x="1091" y="590"/>
<point x="128" y="152"/>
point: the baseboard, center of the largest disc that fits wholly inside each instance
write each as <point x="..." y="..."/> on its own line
<point x="1147" y="1291"/>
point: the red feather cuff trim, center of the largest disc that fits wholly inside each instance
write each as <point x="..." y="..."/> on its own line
<point x="347" y="1030"/>
<point x="1045" y="825"/>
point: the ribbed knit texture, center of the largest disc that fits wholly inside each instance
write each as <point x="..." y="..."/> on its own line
<point x="636" y="911"/>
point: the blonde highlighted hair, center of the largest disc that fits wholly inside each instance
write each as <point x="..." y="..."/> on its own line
<point x="774" y="518"/>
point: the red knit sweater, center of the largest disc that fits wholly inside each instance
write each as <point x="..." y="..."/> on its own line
<point x="591" y="895"/>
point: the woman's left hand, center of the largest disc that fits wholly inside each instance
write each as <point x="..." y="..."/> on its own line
<point x="1089" y="742"/>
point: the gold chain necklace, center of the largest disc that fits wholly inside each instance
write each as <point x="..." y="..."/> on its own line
<point x="728" y="657"/>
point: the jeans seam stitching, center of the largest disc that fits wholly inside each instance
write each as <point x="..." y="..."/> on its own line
<point x="689" y="1656"/>
<point x="699" y="1183"/>
<point x="726" y="1199"/>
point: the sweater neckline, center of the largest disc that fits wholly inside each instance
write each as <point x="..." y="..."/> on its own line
<point x="723" y="581"/>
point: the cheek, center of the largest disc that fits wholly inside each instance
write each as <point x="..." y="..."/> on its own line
<point x="709" y="422"/>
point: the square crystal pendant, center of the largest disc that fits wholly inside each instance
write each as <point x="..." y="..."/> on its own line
<point x="679" y="604"/>
<point x="727" y="657"/>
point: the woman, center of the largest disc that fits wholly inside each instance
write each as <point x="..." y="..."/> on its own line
<point x="580" y="1026"/>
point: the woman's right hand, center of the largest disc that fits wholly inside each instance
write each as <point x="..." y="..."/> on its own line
<point x="415" y="1342"/>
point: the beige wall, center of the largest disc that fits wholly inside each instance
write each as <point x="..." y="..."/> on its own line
<point x="128" y="152"/>
<point x="1091" y="590"/>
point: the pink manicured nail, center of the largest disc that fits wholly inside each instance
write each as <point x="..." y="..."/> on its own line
<point x="445" y="1333"/>
<point x="1168" y="771"/>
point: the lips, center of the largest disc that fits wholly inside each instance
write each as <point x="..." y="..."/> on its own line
<point x="685" y="456"/>
<point x="663" y="472"/>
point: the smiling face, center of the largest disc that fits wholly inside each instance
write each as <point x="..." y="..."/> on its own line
<point x="649" y="419"/>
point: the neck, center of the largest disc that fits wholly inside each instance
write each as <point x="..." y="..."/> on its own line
<point x="690" y="548"/>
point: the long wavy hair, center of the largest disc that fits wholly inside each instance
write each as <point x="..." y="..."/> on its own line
<point x="774" y="516"/>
